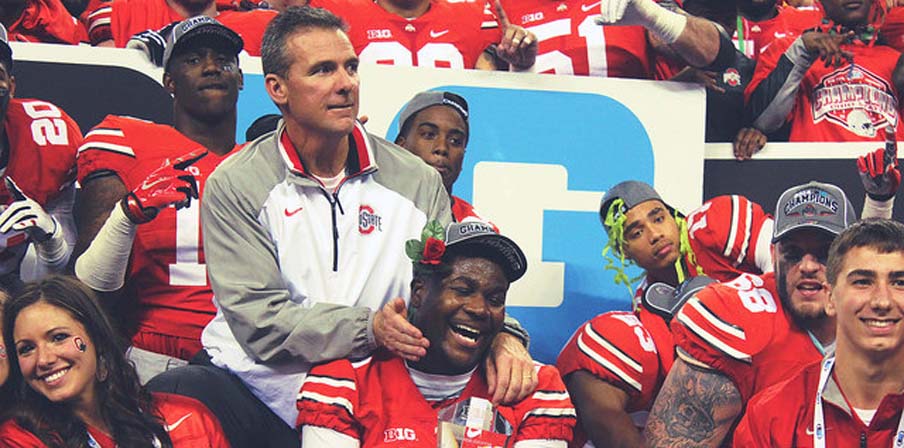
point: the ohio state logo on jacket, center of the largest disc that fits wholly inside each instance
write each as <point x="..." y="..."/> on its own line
<point x="368" y="220"/>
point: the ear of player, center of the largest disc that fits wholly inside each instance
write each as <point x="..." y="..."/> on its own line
<point x="168" y="185"/>
<point x="879" y="171"/>
<point x="24" y="214"/>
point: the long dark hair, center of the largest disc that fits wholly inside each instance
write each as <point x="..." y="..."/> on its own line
<point x="124" y="404"/>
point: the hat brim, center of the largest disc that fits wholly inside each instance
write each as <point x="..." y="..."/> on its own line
<point x="831" y="230"/>
<point x="513" y="261"/>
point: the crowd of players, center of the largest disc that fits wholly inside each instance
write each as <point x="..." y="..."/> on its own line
<point x="323" y="243"/>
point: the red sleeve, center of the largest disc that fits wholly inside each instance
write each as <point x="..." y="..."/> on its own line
<point x="723" y="233"/>
<point x="616" y="348"/>
<point x="490" y="29"/>
<point x="766" y="63"/>
<point x="548" y="413"/>
<point x="47" y="21"/>
<point x="189" y="422"/>
<point x="14" y="436"/>
<point x="329" y="397"/>
<point x="97" y="19"/>
<point x="107" y="147"/>
<point x="726" y="324"/>
<point x="893" y="28"/>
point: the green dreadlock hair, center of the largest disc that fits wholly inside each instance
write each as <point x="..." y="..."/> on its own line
<point x="615" y="222"/>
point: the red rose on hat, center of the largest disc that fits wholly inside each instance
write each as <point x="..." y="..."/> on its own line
<point x="433" y="251"/>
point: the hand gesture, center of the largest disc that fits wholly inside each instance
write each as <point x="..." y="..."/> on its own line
<point x="828" y="46"/>
<point x="168" y="185"/>
<point x="518" y="46"/>
<point x="879" y="169"/>
<point x="24" y="214"/>
<point x="393" y="331"/>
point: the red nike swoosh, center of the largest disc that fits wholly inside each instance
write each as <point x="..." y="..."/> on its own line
<point x="290" y="213"/>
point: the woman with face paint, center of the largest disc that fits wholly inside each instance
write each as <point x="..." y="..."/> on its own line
<point x="73" y="386"/>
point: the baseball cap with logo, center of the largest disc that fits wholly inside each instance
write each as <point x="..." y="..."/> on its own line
<point x="631" y="193"/>
<point x="197" y="26"/>
<point x="475" y="237"/>
<point x="813" y="205"/>
<point x="6" y="53"/>
<point x="427" y="99"/>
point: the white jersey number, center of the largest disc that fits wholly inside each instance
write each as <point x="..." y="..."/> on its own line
<point x="430" y="55"/>
<point x="48" y="126"/>
<point x="559" y="62"/>
<point x="646" y="342"/>
<point x="187" y="271"/>
<point x="754" y="297"/>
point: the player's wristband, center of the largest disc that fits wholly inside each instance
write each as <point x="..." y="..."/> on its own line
<point x="103" y="265"/>
<point x="53" y="250"/>
<point x="877" y="208"/>
<point x="665" y="24"/>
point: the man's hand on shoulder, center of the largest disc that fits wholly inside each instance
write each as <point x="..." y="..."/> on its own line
<point x="510" y="370"/>
<point x="393" y="331"/>
<point x="827" y="47"/>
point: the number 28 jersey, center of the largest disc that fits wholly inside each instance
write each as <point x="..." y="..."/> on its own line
<point x="167" y="276"/>
<point x="740" y="329"/>
<point x="572" y="44"/>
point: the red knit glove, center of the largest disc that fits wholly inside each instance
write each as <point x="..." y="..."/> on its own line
<point x="879" y="169"/>
<point x="168" y="185"/>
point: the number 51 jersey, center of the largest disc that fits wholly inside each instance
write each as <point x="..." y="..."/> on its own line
<point x="572" y="44"/>
<point x="167" y="276"/>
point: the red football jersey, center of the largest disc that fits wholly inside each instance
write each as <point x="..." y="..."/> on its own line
<point x="790" y="21"/>
<point x="189" y="424"/>
<point x="762" y="426"/>
<point x="374" y="400"/>
<point x="724" y="233"/>
<point x="121" y="19"/>
<point x="43" y="141"/>
<point x="572" y="44"/>
<point x="47" y="21"/>
<point x="740" y="329"/>
<point x="448" y="35"/>
<point x="848" y="103"/>
<point x="167" y="274"/>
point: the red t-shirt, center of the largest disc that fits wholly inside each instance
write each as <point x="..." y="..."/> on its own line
<point x="840" y="104"/>
<point x="448" y="35"/>
<point x="167" y="275"/>
<point x="375" y="399"/>
<point x="43" y="141"/>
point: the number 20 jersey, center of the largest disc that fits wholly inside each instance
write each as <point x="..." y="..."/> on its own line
<point x="42" y="144"/>
<point x="572" y="44"/>
<point x="741" y="329"/>
<point x="167" y="276"/>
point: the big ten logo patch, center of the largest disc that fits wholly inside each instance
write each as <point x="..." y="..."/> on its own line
<point x="856" y="99"/>
<point x="399" y="435"/>
<point x="379" y="34"/>
<point x="368" y="220"/>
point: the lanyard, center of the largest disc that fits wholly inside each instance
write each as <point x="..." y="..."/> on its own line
<point x="819" y="430"/>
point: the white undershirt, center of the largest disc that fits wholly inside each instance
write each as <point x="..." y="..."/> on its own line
<point x="865" y="415"/>
<point x="331" y="183"/>
<point x="439" y="387"/>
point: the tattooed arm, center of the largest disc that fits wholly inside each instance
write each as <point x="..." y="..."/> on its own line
<point x="696" y="407"/>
